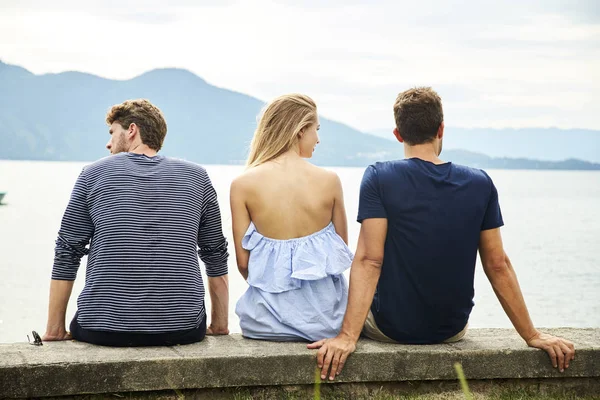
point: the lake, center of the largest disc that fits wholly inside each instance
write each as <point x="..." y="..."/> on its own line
<point x="552" y="235"/>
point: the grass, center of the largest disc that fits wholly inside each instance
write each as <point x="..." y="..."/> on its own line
<point x="463" y="381"/>
<point x="504" y="395"/>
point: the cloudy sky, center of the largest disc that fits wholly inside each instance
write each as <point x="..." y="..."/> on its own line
<point x="495" y="63"/>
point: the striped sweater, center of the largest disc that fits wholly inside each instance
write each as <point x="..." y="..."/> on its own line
<point x="148" y="219"/>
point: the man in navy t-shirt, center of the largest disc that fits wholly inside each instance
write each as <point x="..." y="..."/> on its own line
<point x="435" y="214"/>
<point x="423" y="221"/>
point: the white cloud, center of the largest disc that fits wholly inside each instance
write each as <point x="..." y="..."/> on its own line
<point x="495" y="64"/>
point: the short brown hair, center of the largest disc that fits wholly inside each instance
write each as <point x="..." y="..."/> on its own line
<point x="148" y="118"/>
<point x="418" y="113"/>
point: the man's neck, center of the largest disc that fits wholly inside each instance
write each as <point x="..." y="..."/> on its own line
<point x="143" y="149"/>
<point x="425" y="152"/>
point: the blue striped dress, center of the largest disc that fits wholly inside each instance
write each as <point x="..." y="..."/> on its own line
<point x="146" y="220"/>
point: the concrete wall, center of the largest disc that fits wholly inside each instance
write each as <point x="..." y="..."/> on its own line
<point x="73" y="368"/>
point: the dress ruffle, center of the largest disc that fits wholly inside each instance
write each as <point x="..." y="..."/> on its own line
<point x="277" y="266"/>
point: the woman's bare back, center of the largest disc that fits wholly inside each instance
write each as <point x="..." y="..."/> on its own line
<point x="290" y="198"/>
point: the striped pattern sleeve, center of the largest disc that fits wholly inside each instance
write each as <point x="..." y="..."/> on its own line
<point x="74" y="235"/>
<point x="212" y="245"/>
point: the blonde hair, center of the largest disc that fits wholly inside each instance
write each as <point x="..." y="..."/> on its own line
<point x="280" y="123"/>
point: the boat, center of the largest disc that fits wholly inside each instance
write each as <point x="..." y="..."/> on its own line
<point x="2" y="194"/>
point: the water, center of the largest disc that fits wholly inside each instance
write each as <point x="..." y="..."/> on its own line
<point x="551" y="235"/>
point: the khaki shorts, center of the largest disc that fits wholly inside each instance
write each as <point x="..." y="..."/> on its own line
<point x="371" y="331"/>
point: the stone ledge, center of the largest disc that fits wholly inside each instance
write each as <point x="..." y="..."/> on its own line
<point x="72" y="368"/>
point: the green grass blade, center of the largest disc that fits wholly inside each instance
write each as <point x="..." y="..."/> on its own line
<point x="463" y="381"/>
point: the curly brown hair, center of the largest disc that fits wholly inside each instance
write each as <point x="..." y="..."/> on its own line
<point x="148" y="118"/>
<point x="419" y="114"/>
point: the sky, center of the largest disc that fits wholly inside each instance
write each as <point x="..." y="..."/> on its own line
<point x="504" y="63"/>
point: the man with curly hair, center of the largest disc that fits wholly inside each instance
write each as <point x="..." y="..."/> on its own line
<point x="148" y="217"/>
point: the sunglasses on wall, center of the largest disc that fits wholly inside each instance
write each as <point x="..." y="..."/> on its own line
<point x="37" y="340"/>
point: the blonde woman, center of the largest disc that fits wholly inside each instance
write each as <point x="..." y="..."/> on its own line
<point x="290" y="230"/>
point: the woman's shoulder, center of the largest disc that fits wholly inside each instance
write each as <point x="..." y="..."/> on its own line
<point x="325" y="175"/>
<point x="241" y="180"/>
<point x="321" y="171"/>
<point x="250" y="178"/>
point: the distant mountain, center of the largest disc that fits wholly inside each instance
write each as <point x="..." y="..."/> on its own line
<point x="61" y="117"/>
<point x="551" y="144"/>
<point x="479" y="160"/>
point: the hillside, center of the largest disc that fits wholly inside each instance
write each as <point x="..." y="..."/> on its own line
<point x="61" y="117"/>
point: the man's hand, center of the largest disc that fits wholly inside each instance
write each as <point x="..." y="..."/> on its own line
<point x="561" y="351"/>
<point x="214" y="331"/>
<point x="364" y="275"/>
<point x="502" y="276"/>
<point x="52" y="335"/>
<point x="333" y="352"/>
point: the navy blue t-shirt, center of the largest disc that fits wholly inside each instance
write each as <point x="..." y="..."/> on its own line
<point x="435" y="215"/>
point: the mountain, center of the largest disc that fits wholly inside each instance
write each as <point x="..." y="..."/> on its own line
<point x="61" y="117"/>
<point x="551" y="144"/>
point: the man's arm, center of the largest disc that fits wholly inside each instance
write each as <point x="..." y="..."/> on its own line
<point x="60" y="292"/>
<point x="213" y="253"/>
<point x="218" y="288"/>
<point x="75" y="233"/>
<point x="503" y="278"/>
<point x="364" y="275"/>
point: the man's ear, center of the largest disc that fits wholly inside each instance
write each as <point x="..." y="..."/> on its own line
<point x="398" y="135"/>
<point x="132" y="130"/>
<point x="440" y="132"/>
